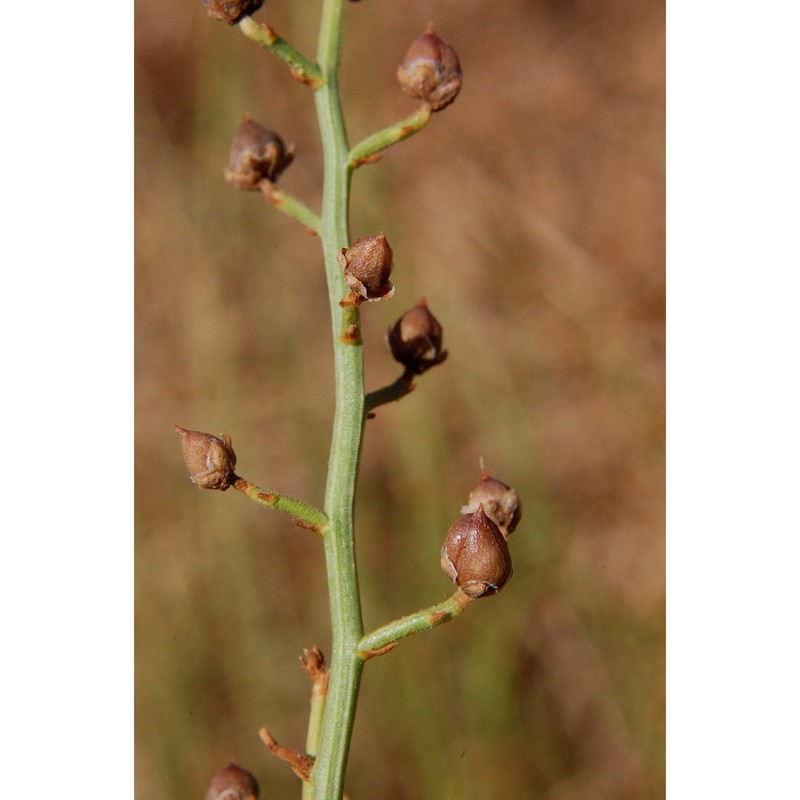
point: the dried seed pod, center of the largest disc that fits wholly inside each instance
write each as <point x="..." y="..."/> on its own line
<point x="500" y="502"/>
<point x="475" y="555"/>
<point x="367" y="265"/>
<point x="233" y="783"/>
<point x="231" y="11"/>
<point x="430" y="71"/>
<point x="210" y="460"/>
<point x="257" y="154"/>
<point x="416" y="340"/>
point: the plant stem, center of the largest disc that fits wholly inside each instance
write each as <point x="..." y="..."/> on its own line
<point x="291" y="206"/>
<point x="300" y="66"/>
<point x="391" y="393"/>
<point x="365" y="149"/>
<point x="345" y="606"/>
<point x="422" y="620"/>
<point x="314" y="664"/>
<point x="315" y="519"/>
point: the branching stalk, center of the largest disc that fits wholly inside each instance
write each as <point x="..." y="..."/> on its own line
<point x="291" y="206"/>
<point x="317" y="670"/>
<point x="365" y="150"/>
<point x="315" y="519"/>
<point x="391" y="393"/>
<point x="301" y="68"/>
<point x="382" y="638"/>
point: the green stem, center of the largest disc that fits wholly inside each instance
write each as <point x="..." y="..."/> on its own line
<point x="291" y="206"/>
<point x="301" y="67"/>
<point x="327" y="777"/>
<point x="422" y="620"/>
<point x="313" y="518"/>
<point x="362" y="152"/>
<point x="317" y="670"/>
<point x="315" y="722"/>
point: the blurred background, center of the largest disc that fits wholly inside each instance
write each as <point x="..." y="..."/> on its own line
<point x="530" y="215"/>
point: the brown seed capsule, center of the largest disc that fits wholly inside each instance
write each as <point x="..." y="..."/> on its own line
<point x="475" y="555"/>
<point x="231" y="11"/>
<point x="430" y="71"/>
<point x="367" y="265"/>
<point x="257" y="154"/>
<point x="500" y="502"/>
<point x="210" y="460"/>
<point x="233" y="783"/>
<point x="416" y="340"/>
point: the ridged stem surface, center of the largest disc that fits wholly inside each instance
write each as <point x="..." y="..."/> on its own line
<point x="347" y="628"/>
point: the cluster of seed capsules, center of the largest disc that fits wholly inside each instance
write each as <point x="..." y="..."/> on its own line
<point x="430" y="73"/>
<point x="475" y="553"/>
<point x="415" y="341"/>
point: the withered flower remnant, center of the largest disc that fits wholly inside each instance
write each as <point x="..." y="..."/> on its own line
<point x="416" y="340"/>
<point x="475" y="555"/>
<point x="257" y="154"/>
<point x="430" y="71"/>
<point x="210" y="460"/>
<point x="231" y="11"/>
<point x="500" y="502"/>
<point x="367" y="265"/>
<point x="233" y="783"/>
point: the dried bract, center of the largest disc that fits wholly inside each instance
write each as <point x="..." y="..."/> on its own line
<point x="416" y="340"/>
<point x="257" y="154"/>
<point x="430" y="71"/>
<point x="475" y="555"/>
<point x="500" y="502"/>
<point x="233" y="783"/>
<point x="210" y="460"/>
<point x="231" y="11"/>
<point x="367" y="265"/>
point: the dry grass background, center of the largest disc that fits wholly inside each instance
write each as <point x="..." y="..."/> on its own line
<point x="530" y="214"/>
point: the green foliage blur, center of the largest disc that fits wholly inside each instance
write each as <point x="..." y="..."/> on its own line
<point x="530" y="215"/>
